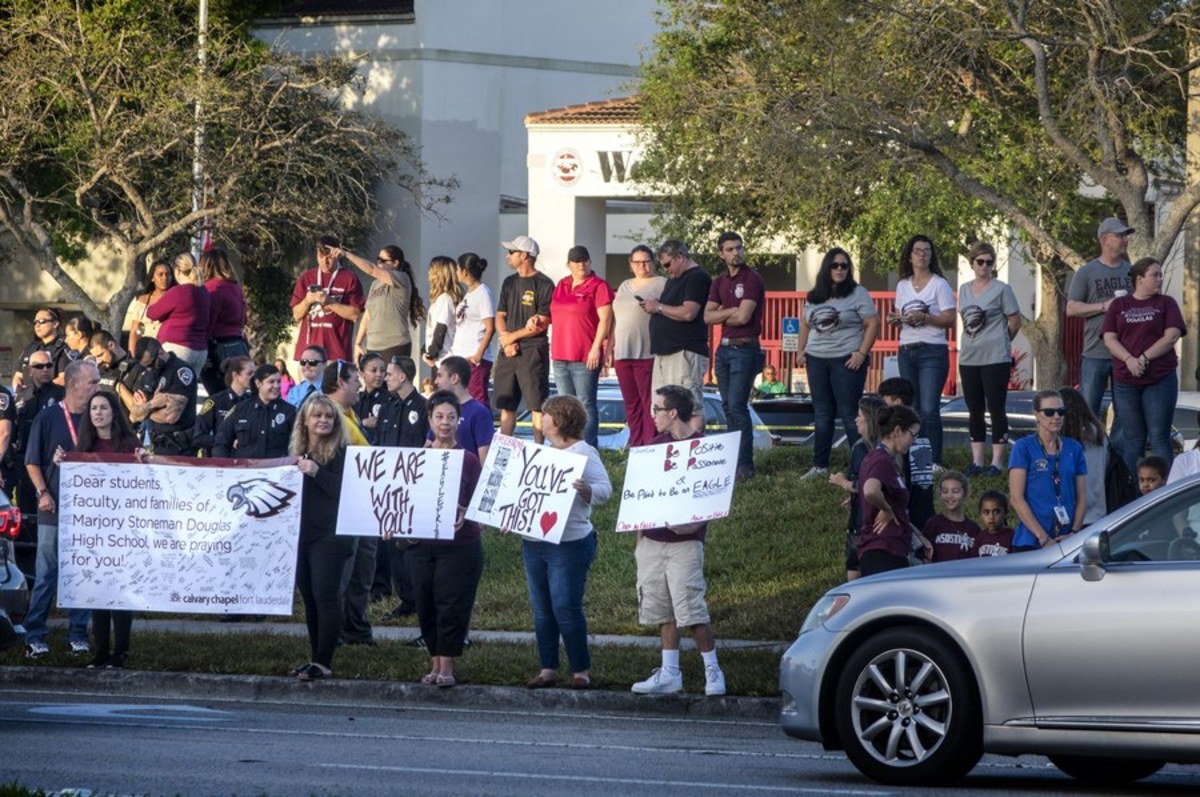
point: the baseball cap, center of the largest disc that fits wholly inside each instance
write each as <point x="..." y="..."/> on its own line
<point x="578" y="254"/>
<point x="522" y="243"/>
<point x="1113" y="225"/>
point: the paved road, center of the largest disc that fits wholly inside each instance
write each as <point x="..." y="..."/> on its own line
<point x="81" y="738"/>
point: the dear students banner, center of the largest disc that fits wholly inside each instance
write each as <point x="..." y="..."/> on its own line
<point x="205" y="537"/>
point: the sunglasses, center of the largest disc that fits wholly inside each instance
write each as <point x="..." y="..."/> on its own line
<point x="41" y="366"/>
<point x="983" y="261"/>
<point x="839" y="265"/>
<point x="311" y="362"/>
<point x="1050" y="412"/>
<point x="384" y="260"/>
<point x="39" y="321"/>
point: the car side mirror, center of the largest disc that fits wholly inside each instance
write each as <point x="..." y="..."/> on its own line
<point x="1093" y="556"/>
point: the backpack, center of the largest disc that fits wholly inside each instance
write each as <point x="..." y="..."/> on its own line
<point x="1119" y="485"/>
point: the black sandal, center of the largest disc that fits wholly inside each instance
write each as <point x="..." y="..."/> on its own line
<point x="314" y="672"/>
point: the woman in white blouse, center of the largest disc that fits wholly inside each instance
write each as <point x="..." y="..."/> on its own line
<point x="924" y="311"/>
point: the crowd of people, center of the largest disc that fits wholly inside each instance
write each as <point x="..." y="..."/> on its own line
<point x="357" y="358"/>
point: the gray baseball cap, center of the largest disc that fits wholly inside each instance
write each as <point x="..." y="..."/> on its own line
<point x="1113" y="225"/>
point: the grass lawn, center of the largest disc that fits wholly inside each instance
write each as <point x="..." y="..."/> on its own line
<point x="780" y="549"/>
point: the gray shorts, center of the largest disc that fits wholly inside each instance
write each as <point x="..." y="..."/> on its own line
<point x="670" y="583"/>
<point x="684" y="368"/>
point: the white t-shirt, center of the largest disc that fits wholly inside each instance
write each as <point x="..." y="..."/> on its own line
<point x="936" y="296"/>
<point x="440" y="312"/>
<point x="476" y="306"/>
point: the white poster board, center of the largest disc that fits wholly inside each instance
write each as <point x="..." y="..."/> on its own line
<point x="687" y="481"/>
<point x="526" y="489"/>
<point x="404" y="493"/>
<point x="177" y="538"/>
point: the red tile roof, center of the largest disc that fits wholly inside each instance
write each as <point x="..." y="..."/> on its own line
<point x="620" y="110"/>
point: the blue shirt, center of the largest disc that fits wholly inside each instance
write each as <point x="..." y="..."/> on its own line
<point x="1028" y="454"/>
<point x="300" y="391"/>
<point x="51" y="429"/>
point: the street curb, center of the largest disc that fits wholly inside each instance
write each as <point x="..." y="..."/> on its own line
<point x="387" y="694"/>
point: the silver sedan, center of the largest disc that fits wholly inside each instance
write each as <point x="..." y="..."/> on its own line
<point x="1087" y="652"/>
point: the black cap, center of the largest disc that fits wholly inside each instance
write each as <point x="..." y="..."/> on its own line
<point x="578" y="254"/>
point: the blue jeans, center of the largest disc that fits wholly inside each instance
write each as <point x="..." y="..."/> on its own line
<point x="1146" y="412"/>
<point x="576" y="379"/>
<point x="557" y="577"/>
<point x="927" y="365"/>
<point x="45" y="588"/>
<point x="735" y="369"/>
<point x="1094" y="377"/>
<point x="835" y="391"/>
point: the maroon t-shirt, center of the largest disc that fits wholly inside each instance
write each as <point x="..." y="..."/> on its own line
<point x="729" y="292"/>
<point x="226" y="308"/>
<point x="896" y="538"/>
<point x="952" y="539"/>
<point x="1139" y="323"/>
<point x="323" y="327"/>
<point x="664" y="534"/>
<point x="996" y="543"/>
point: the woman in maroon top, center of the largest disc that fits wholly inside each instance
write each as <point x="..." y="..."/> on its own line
<point x="445" y="573"/>
<point x="106" y="430"/>
<point x="226" y="317"/>
<point x="885" y="538"/>
<point x="183" y="311"/>
<point x="1140" y="332"/>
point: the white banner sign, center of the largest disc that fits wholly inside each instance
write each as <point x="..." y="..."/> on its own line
<point x="526" y="489"/>
<point x="687" y="481"/>
<point x="177" y="538"/>
<point x="400" y="492"/>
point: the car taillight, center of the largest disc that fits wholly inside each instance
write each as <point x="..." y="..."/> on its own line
<point x="10" y="521"/>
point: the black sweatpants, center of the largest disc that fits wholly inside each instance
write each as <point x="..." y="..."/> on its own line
<point x="445" y="578"/>
<point x="986" y="385"/>
<point x="111" y="625"/>
<point x="319" y="568"/>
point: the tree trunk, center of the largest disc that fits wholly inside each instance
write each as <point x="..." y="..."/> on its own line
<point x="1045" y="334"/>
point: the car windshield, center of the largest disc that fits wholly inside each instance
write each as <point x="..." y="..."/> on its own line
<point x="1166" y="532"/>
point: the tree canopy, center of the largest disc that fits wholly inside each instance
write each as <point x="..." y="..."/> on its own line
<point x="823" y="119"/>
<point x="97" y="119"/>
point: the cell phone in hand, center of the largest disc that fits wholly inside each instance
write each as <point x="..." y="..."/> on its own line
<point x="315" y="289"/>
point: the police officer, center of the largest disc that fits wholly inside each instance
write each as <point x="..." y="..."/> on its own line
<point x="238" y="371"/>
<point x="374" y="394"/>
<point x="119" y="373"/>
<point x="45" y="338"/>
<point x="165" y="402"/>
<point x="261" y="426"/>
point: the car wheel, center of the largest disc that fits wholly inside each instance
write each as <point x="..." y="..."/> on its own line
<point x="907" y="712"/>
<point x="1093" y="769"/>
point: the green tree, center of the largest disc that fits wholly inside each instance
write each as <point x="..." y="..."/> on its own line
<point x="836" y="119"/>
<point x="97" y="114"/>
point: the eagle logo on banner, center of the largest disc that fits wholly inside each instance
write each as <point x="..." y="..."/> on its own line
<point x="262" y="498"/>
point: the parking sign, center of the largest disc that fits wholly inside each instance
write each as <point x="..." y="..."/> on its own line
<point x="791" y="334"/>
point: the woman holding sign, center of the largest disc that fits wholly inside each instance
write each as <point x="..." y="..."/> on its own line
<point x="557" y="574"/>
<point x="445" y="573"/>
<point x="319" y="440"/>
<point x="105" y="429"/>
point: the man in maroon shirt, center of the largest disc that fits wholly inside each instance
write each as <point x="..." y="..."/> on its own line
<point x="327" y="300"/>
<point x="670" y="570"/>
<point x="735" y="301"/>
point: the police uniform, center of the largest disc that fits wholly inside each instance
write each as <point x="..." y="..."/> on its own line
<point x="27" y="403"/>
<point x="211" y="416"/>
<point x="60" y="354"/>
<point x="255" y="430"/>
<point x="370" y="404"/>
<point x="177" y="378"/>
<point x="125" y="372"/>
<point x="403" y="422"/>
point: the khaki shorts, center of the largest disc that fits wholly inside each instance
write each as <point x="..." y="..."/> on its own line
<point x="684" y="368"/>
<point x="670" y="583"/>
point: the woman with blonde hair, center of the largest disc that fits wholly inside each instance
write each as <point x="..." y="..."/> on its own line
<point x="445" y="293"/>
<point x="319" y="440"/>
<point x="183" y="311"/>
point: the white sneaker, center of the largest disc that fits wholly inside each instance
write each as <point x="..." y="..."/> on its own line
<point x="35" y="650"/>
<point x="714" y="681"/>
<point x="659" y="683"/>
<point x="79" y="647"/>
<point x="815" y="473"/>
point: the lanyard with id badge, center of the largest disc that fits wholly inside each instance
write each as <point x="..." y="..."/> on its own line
<point x="1061" y="518"/>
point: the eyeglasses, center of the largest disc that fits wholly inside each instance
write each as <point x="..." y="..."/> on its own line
<point x="311" y="362"/>
<point x="984" y="261"/>
<point x="1050" y="412"/>
<point x="840" y="265"/>
<point x="41" y="366"/>
<point x="922" y="251"/>
<point x="657" y="408"/>
<point x="40" y="321"/>
<point x="642" y="262"/>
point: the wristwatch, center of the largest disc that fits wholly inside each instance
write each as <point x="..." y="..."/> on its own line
<point x="40" y="493"/>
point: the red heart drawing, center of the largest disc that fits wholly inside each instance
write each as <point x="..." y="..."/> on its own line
<point x="691" y="463"/>
<point x="668" y="465"/>
<point x="548" y="521"/>
<point x="671" y="452"/>
<point x="692" y="447"/>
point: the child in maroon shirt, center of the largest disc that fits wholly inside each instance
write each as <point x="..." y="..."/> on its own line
<point x="995" y="538"/>
<point x="951" y="532"/>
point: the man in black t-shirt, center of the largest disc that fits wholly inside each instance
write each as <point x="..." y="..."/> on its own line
<point x="522" y="317"/>
<point x="166" y="399"/>
<point x="678" y="334"/>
